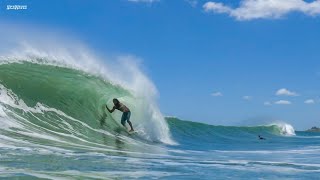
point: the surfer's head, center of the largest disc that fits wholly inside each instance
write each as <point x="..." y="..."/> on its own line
<point x="115" y="101"/>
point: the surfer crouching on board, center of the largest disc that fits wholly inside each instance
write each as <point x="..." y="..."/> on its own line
<point x="126" y="112"/>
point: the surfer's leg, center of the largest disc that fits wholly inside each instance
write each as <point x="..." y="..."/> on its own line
<point x="123" y="119"/>
<point x="129" y="122"/>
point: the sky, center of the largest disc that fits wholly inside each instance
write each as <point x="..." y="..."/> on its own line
<point x="223" y="62"/>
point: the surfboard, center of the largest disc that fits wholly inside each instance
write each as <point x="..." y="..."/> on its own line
<point x="132" y="132"/>
<point x="120" y="129"/>
<point x="125" y="129"/>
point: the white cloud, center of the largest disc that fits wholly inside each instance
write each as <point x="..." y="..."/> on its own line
<point x="143" y="1"/>
<point x="267" y="103"/>
<point x="283" y="102"/>
<point x="247" y="98"/>
<point x="263" y="9"/>
<point x="285" y="92"/>
<point x="216" y="7"/>
<point x="309" y="101"/>
<point x="216" y="94"/>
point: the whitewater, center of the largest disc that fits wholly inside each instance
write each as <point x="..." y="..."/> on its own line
<point x="53" y="125"/>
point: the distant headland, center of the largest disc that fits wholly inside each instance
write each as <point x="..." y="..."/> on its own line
<point x="314" y="129"/>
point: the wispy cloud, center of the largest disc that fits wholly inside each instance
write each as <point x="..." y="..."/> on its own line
<point x="309" y="101"/>
<point x="247" y="98"/>
<point x="283" y="102"/>
<point x="285" y="92"/>
<point x="216" y="94"/>
<point x="264" y="9"/>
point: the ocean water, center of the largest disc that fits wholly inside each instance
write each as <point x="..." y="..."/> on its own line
<point x="53" y="125"/>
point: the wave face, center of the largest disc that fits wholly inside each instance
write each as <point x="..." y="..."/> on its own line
<point x="49" y="105"/>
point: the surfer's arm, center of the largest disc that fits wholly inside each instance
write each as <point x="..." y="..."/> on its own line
<point x="111" y="109"/>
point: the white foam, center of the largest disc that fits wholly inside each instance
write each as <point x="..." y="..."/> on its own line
<point x="2" y="113"/>
<point x="285" y="129"/>
<point x="9" y="98"/>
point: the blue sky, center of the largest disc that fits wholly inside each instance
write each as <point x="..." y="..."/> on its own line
<point x="218" y="62"/>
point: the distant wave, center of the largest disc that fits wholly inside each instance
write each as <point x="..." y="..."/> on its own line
<point x="234" y="133"/>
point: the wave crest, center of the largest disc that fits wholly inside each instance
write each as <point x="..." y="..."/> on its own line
<point x="285" y="129"/>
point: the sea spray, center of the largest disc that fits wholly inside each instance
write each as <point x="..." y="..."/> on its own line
<point x="285" y="129"/>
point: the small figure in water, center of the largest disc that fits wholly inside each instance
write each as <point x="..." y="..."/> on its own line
<point x="126" y="112"/>
<point x="261" y="138"/>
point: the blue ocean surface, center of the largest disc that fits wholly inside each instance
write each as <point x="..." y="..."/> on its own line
<point x="53" y="125"/>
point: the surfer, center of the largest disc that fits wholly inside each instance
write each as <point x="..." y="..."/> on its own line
<point x="261" y="138"/>
<point x="126" y="112"/>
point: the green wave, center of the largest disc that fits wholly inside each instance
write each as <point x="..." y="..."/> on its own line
<point x="64" y="107"/>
